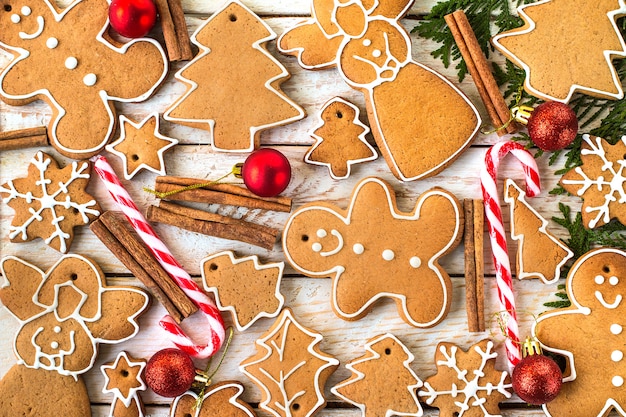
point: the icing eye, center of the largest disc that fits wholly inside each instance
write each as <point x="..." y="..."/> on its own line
<point x="15" y="18"/>
<point x="26" y="11"/>
<point x="613" y="280"/>
<point x="599" y="279"/>
<point x="321" y="233"/>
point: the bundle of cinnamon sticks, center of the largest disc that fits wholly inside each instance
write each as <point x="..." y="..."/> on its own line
<point x="33" y="137"/>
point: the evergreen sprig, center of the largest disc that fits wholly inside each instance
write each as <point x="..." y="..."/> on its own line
<point x="563" y="299"/>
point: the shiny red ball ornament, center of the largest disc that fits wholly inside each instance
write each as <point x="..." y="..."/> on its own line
<point x="552" y="126"/>
<point x="170" y="372"/>
<point x="132" y="18"/>
<point x="536" y="379"/>
<point x="266" y="172"/>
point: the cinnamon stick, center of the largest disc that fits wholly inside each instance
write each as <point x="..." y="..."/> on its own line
<point x="479" y="234"/>
<point x="212" y="224"/>
<point x="471" y="301"/>
<point x="119" y="237"/>
<point x="478" y="67"/>
<point x="24" y="138"/>
<point x="174" y="30"/>
<point x="227" y="194"/>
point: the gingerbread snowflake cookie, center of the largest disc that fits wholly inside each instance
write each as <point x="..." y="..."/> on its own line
<point x="340" y="139"/>
<point x="79" y="73"/>
<point x="590" y="334"/>
<point x="361" y="247"/>
<point x="467" y="383"/>
<point x="50" y="202"/>
<point x="599" y="181"/>
<point x="554" y="37"/>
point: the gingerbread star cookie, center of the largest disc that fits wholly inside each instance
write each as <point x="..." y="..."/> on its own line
<point x="50" y="202"/>
<point x="599" y="181"/>
<point x="290" y="369"/>
<point x="80" y="74"/>
<point x="382" y="381"/>
<point x="340" y="139"/>
<point x="141" y="146"/>
<point x="123" y="378"/>
<point x="590" y="334"/>
<point x="362" y="246"/>
<point x="567" y="46"/>
<point x="222" y="275"/>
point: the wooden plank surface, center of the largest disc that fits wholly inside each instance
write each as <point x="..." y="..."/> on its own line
<point x="309" y="298"/>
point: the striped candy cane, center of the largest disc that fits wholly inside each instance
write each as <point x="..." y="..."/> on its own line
<point x="497" y="236"/>
<point x="173" y="268"/>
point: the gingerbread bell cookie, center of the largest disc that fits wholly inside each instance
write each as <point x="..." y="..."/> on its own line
<point x="290" y="369"/>
<point x="340" y="139"/>
<point x="421" y="122"/>
<point x="243" y="96"/>
<point x="555" y="36"/>
<point x="50" y="202"/>
<point x="362" y="246"/>
<point x="590" y="334"/>
<point x="80" y="74"/>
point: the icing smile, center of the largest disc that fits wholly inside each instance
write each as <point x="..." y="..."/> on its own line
<point x="39" y="31"/>
<point x="612" y="305"/>
<point x="317" y="247"/>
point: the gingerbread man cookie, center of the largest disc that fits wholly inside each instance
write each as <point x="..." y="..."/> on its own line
<point x="409" y="105"/>
<point x="66" y="58"/>
<point x="361" y="247"/>
<point x="590" y="334"/>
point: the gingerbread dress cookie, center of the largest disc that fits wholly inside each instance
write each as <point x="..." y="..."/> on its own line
<point x="66" y="58"/>
<point x="361" y="247"/>
<point x="590" y="334"/>
<point x="421" y="122"/>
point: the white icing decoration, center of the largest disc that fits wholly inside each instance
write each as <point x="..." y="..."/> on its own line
<point x="90" y="80"/>
<point x="26" y="11"/>
<point x="358" y="248"/>
<point x="278" y="266"/>
<point x="599" y="279"/>
<point x="36" y="33"/>
<point x="54" y="345"/>
<point x="376" y="53"/>
<point x="616" y="329"/>
<point x="316" y="247"/>
<point x="367" y="42"/>
<point x="415" y="262"/>
<point x="614" y="280"/>
<point x="133" y="387"/>
<point x="57" y="329"/>
<point x="617" y="381"/>
<point x="321" y="233"/>
<point x="388" y="255"/>
<point x="339" y="244"/>
<point x="617" y="355"/>
<point x="71" y="63"/>
<point x="15" y="18"/>
<point x="605" y="304"/>
<point x="52" y="42"/>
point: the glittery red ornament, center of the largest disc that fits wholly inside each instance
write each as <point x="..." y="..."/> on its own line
<point x="170" y="372"/>
<point x="552" y="126"/>
<point x="266" y="172"/>
<point x="132" y="18"/>
<point x="536" y="379"/>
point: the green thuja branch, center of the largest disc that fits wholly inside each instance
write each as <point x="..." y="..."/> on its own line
<point x="563" y="299"/>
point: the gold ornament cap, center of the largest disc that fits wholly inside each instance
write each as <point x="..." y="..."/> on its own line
<point x="531" y="347"/>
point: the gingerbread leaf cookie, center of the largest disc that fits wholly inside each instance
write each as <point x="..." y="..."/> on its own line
<point x="123" y="378"/>
<point x="382" y="381"/>
<point x="141" y="146"/>
<point x="550" y="51"/>
<point x="340" y="139"/>
<point x="594" y="382"/>
<point x="80" y="74"/>
<point x="290" y="369"/>
<point x="243" y="95"/>
<point x="223" y="274"/>
<point x="599" y="181"/>
<point x="219" y="400"/>
<point x="467" y="383"/>
<point x="50" y="202"/>
<point x="361" y="247"/>
<point x="539" y="253"/>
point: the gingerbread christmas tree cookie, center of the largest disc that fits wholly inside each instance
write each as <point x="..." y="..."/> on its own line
<point x="141" y="146"/>
<point x="566" y="46"/>
<point x="242" y="97"/>
<point x="80" y="74"/>
<point x="340" y="139"/>
<point x="50" y="202"/>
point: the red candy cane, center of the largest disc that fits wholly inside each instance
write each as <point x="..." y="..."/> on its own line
<point x="173" y="268"/>
<point x="497" y="235"/>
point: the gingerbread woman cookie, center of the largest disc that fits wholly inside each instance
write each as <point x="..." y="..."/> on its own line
<point x="361" y="247"/>
<point x="80" y="73"/>
<point x="409" y="105"/>
<point x="590" y="334"/>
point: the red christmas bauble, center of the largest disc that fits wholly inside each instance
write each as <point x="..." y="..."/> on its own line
<point x="132" y="18"/>
<point x="537" y="379"/>
<point x="170" y="372"/>
<point x="266" y="172"/>
<point x="552" y="126"/>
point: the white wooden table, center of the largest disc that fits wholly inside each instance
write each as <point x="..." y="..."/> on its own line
<point x="309" y="298"/>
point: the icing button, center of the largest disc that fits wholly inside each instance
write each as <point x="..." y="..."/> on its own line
<point x="617" y="355"/>
<point x="57" y="329"/>
<point x="415" y="262"/>
<point x="52" y="43"/>
<point x="358" y="249"/>
<point x="616" y="329"/>
<point x="617" y="381"/>
<point x="54" y="345"/>
<point x="71" y="63"/>
<point x="388" y="255"/>
<point x="90" y="79"/>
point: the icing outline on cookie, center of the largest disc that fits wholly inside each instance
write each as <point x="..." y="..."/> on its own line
<point x="608" y="54"/>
